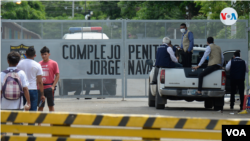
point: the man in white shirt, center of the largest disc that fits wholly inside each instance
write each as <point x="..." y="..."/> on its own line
<point x="34" y="74"/>
<point x="216" y="60"/>
<point x="165" y="58"/>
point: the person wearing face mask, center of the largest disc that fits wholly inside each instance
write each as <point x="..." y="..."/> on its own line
<point x="165" y="58"/>
<point x="187" y="43"/>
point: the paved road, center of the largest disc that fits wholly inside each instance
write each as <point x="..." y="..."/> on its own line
<point x="136" y="87"/>
<point x="139" y="106"/>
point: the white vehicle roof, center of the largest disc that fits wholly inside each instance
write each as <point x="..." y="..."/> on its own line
<point x="85" y="35"/>
<point x="199" y="48"/>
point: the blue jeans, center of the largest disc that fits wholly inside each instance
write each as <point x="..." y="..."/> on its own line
<point x="33" y="100"/>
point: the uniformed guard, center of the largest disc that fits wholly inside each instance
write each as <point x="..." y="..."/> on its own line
<point x="165" y="58"/>
<point x="238" y="69"/>
<point x="187" y="43"/>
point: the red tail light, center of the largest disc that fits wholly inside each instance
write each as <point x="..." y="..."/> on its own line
<point x="223" y="78"/>
<point x="162" y="76"/>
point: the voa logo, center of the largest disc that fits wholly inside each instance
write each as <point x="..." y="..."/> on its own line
<point x="228" y="16"/>
<point x="236" y="132"/>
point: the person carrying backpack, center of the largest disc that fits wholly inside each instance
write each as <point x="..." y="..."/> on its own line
<point x="14" y="85"/>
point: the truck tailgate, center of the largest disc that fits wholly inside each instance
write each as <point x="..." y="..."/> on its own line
<point x="186" y="78"/>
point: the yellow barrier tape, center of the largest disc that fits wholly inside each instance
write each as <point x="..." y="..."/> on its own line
<point x="146" y="133"/>
<point x="119" y="120"/>
<point x="24" y="138"/>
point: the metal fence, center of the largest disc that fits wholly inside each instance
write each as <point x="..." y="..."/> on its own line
<point x="92" y="65"/>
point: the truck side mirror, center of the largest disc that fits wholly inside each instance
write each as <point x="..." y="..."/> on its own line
<point x="149" y="62"/>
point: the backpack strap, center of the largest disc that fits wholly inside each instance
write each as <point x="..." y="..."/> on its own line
<point x="6" y="71"/>
<point x="16" y="70"/>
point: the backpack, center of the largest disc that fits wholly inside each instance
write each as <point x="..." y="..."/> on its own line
<point x="12" y="88"/>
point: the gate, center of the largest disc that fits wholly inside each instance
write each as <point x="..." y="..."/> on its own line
<point x="109" y="59"/>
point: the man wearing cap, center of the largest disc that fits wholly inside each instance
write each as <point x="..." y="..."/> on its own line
<point x="165" y="58"/>
<point x="187" y="43"/>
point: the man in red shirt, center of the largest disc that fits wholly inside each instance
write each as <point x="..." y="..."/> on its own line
<point x="50" y="78"/>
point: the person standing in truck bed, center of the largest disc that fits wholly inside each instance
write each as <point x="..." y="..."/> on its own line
<point x="215" y="62"/>
<point x="187" y="43"/>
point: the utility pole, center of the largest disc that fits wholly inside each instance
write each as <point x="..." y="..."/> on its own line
<point x="73" y="8"/>
<point x="233" y="27"/>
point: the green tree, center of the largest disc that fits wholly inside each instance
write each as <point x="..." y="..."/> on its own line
<point x="63" y="10"/>
<point x="243" y="9"/>
<point x="215" y="7"/>
<point x="26" y="10"/>
<point x="158" y="9"/>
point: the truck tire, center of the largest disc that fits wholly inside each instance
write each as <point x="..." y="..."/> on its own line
<point x="159" y="101"/>
<point x="216" y="108"/>
<point x="218" y="103"/>
<point x="208" y="103"/>
<point x="151" y="98"/>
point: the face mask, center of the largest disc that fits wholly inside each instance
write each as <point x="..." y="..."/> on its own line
<point x="183" y="30"/>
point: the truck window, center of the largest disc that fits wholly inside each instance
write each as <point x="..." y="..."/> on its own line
<point x="196" y="57"/>
<point x="227" y="57"/>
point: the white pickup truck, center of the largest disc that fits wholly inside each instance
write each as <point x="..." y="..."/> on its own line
<point x="181" y="84"/>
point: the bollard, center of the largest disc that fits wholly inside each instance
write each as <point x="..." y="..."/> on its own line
<point x="246" y="104"/>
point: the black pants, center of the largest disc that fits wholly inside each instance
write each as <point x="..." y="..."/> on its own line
<point x="241" y="86"/>
<point x="186" y="59"/>
<point x="207" y="71"/>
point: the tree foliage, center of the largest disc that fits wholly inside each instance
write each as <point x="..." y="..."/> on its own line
<point x="26" y="10"/>
<point x="215" y="7"/>
<point x="243" y="9"/>
<point x="158" y="9"/>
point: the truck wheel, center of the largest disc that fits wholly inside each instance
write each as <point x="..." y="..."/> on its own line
<point x="159" y="101"/>
<point x="151" y="98"/>
<point x="208" y="104"/>
<point x="216" y="108"/>
<point x="218" y="103"/>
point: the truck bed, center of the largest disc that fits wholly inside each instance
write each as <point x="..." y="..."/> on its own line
<point x="183" y="82"/>
<point x="186" y="78"/>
